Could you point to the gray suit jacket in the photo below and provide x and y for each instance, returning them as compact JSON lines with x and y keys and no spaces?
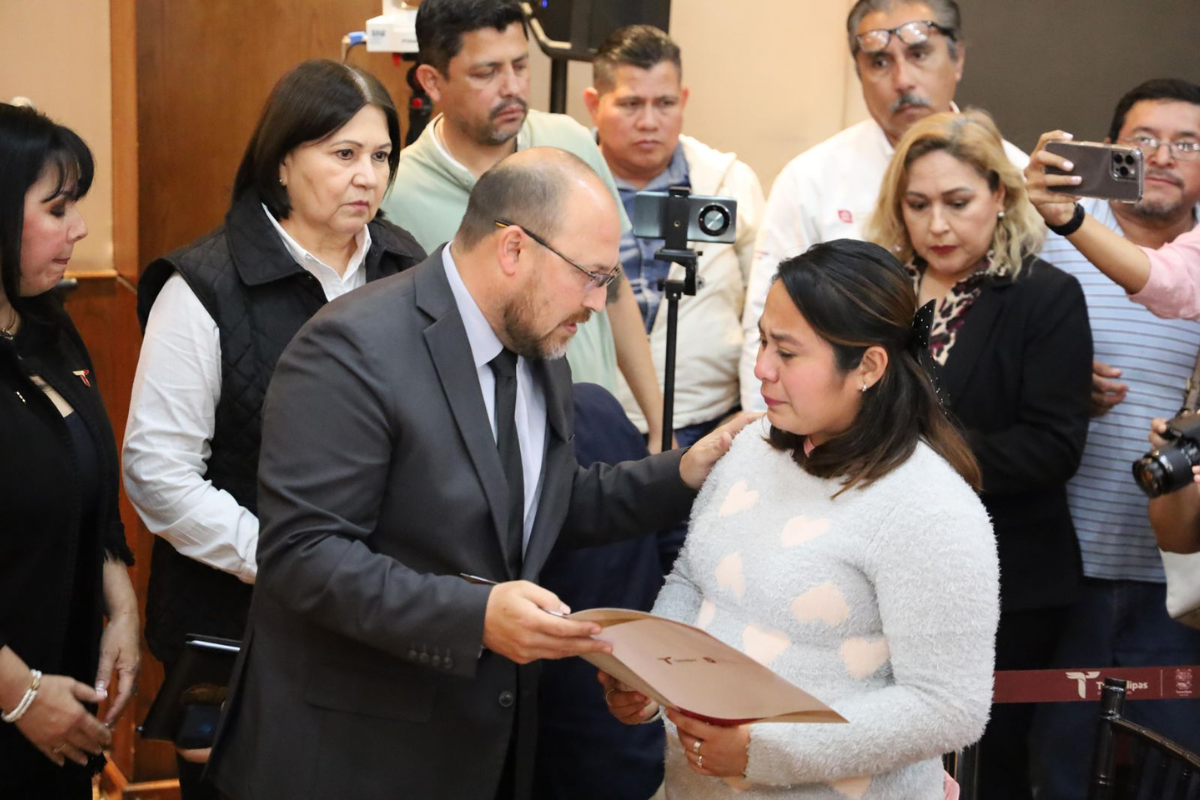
{"x":379,"y":482}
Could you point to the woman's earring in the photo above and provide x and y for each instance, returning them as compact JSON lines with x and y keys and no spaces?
{"x":864,"y":385}
{"x":999,"y":215}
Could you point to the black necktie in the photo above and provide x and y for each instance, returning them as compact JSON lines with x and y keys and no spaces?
{"x":504,"y":368}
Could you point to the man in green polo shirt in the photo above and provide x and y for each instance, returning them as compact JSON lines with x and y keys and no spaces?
{"x":475,"y":67}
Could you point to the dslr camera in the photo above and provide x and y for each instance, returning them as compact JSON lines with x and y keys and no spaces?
{"x":1169,"y":468}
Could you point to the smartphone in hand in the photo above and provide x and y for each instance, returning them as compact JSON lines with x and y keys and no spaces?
{"x":1109,"y":171}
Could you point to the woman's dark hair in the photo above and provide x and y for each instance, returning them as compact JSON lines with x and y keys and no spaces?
{"x":309,"y":103}
{"x":856,"y":295}
{"x":30,"y":144}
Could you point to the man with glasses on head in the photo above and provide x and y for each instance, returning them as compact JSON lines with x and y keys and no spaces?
{"x":417,"y":468}
{"x":909,"y":58}
{"x":1142,"y":366}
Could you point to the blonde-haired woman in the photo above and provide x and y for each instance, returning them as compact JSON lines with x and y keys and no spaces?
{"x":1012,"y":340}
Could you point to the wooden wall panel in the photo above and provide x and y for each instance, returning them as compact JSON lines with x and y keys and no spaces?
{"x":204,"y":71}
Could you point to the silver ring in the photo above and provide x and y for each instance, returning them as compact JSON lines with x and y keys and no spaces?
{"x":696,"y":745}
{"x":700,"y":762}
{"x":606,"y":696}
{"x":58,"y":750}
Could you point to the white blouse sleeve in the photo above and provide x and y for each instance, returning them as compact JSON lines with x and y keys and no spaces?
{"x":172,"y":417}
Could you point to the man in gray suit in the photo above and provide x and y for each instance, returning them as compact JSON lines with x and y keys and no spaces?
{"x":416,"y":431}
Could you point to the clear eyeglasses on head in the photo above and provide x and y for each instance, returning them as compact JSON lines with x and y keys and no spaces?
{"x":1182,"y":151}
{"x":596,"y":280}
{"x":915,"y":32}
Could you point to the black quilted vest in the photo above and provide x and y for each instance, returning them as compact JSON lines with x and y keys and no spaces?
{"x":259,"y":297}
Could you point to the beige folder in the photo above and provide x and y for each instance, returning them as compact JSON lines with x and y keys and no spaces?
{"x":682,"y":667}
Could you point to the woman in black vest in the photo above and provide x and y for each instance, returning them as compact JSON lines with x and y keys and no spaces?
{"x":218,"y":313}
{"x":63,"y":555}
{"x":1014,"y":349}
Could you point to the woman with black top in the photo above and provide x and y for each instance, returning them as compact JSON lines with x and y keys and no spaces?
{"x":63,"y":555}
{"x":1013,"y":351}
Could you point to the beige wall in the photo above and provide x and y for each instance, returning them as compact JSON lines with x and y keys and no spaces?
{"x":798,"y":90}
{"x":768,"y":78}
{"x":56,"y":52}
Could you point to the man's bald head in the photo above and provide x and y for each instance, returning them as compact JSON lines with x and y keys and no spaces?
{"x":531,"y":188}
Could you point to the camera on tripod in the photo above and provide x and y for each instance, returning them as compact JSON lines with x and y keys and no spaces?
{"x":706,"y":219}
{"x":678,"y":217}
{"x":1169,"y":468}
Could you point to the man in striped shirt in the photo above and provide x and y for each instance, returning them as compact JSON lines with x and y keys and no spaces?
{"x":1141,"y":369}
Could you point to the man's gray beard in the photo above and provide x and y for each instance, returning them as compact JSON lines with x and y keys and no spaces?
{"x":486,"y":134}
{"x":1156,"y":212}
{"x":491,"y":136}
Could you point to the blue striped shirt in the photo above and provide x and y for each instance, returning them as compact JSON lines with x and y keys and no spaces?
{"x":1156,"y":357}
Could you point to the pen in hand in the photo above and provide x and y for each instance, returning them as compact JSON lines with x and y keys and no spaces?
{"x":488,"y":582}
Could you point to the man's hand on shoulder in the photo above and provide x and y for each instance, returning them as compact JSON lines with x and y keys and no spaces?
{"x":698,"y":461}
{"x":522,"y":624}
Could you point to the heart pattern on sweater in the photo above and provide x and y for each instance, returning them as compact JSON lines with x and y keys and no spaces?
{"x":825,"y":602}
{"x":740,"y":498}
{"x":852,"y":787}
{"x":801,"y":529}
{"x":863,"y":657}
{"x":764,"y":645}
{"x":729,"y":574}
{"x":708,"y":610}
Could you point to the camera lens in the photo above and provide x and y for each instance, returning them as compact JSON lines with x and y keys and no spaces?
{"x":714,"y":219}
{"x":1124,"y":171}
{"x":1130,"y":160}
{"x":1116,"y":158}
{"x":1164,"y":471}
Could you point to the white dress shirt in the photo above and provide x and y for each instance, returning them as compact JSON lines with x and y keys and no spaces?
{"x":827,"y":192}
{"x":530,"y":412}
{"x":172,"y":419}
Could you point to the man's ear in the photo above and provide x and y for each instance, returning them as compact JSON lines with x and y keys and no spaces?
{"x":510,"y":243}
{"x":591,"y":99}
{"x":431,"y":81}
{"x":962,"y":60}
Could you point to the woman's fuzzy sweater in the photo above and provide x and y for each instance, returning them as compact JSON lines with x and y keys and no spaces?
{"x":882,"y":602}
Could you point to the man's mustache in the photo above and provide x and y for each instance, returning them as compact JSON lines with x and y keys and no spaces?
{"x":915,"y":101}
{"x":1165,"y":175}
{"x":509,"y":104}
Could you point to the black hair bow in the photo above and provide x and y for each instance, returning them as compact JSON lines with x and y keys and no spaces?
{"x":922,"y":324}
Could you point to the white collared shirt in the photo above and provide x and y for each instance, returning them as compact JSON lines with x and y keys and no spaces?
{"x":530,"y":412}
{"x":172,"y":419}
{"x":334,"y":285}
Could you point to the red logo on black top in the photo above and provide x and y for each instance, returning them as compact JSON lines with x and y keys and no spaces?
{"x":82,"y":374}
